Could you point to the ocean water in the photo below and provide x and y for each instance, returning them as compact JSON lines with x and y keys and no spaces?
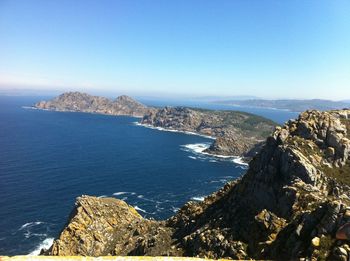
{"x":47,"y":159}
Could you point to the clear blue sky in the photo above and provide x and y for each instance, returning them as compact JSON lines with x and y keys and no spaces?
{"x":272,"y":49}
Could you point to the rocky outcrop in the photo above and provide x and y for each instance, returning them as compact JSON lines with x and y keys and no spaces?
{"x":82,"y":102}
{"x":290,"y":204}
{"x":105,"y":226}
{"x":236,"y":133}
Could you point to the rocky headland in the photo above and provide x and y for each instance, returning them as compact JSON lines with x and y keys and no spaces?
{"x":237,"y":133}
{"x":290,"y":204}
{"x":82,"y":102}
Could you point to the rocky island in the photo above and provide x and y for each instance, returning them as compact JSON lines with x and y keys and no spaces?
{"x":236,"y":133}
{"x":290,"y":204}
{"x":82,"y":102}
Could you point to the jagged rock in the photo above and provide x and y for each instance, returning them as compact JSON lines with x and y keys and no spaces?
{"x":108,"y":226}
{"x":288,"y":200}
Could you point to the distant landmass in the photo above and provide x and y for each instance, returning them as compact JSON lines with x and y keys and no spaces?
{"x":236,"y":133}
{"x":291,"y":105}
{"x":82,"y":102}
{"x":225,"y":98}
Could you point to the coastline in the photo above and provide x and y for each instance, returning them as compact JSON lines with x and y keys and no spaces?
{"x":257,"y":107}
{"x":236,"y":159}
{"x":97,"y":113}
{"x":173,"y":130}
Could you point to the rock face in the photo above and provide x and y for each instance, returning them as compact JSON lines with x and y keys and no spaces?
{"x":290,"y":204}
{"x":82,"y":102}
{"x":236,"y":133}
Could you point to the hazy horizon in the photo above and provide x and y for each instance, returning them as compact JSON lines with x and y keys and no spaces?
{"x":269,"y":49}
{"x":155,"y":96}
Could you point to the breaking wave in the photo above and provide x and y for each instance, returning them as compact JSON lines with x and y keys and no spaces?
{"x":173,"y":130}
{"x":46,"y":244}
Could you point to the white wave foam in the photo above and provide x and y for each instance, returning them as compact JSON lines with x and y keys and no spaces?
{"x":140,"y":209}
{"x":199,"y":198}
{"x":239,"y":160}
{"x":102,"y":196}
{"x":159,"y":209}
{"x":29,"y":107}
{"x":148,"y":199}
{"x":173,"y":130}
{"x":174,"y":209}
{"x":46,"y":244}
{"x":191,"y":157}
{"x":39,"y":235}
{"x":120,"y":193}
{"x":196,"y":147}
{"x":30,"y":224}
{"x":199,"y":148}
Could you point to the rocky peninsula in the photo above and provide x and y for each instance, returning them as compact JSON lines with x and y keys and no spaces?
{"x":289,"y":205}
{"x":236,"y":133}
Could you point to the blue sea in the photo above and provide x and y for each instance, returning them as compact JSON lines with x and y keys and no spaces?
{"x":47,"y":159}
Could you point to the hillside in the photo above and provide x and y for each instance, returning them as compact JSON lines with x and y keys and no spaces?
{"x":237,"y":133}
{"x":82,"y":102}
{"x":290,"y":204}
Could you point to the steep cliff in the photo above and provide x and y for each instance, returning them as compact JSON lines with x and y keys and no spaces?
{"x":236,"y":133}
{"x":290,"y":204}
{"x":82,"y":102}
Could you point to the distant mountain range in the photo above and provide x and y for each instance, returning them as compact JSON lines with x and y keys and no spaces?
{"x":291,"y":105}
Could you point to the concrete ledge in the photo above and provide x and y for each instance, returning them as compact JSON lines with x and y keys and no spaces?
{"x":107,"y":258}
